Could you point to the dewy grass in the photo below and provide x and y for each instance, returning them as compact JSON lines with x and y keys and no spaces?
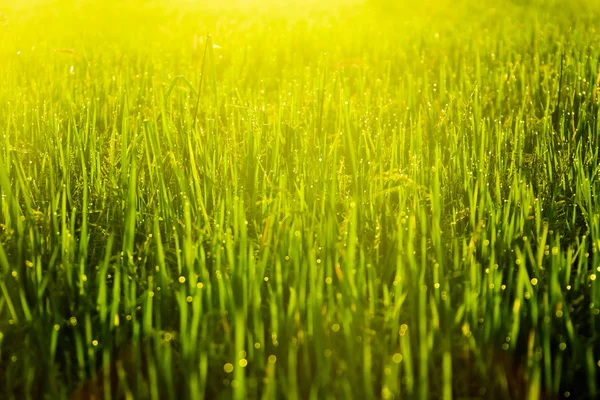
{"x":361,"y":200}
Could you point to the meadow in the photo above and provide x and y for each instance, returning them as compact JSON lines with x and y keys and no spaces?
{"x":299,"y":200}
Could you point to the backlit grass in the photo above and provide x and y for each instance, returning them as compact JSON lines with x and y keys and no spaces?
{"x":301,"y":201}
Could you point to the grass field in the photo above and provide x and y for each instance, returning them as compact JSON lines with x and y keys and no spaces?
{"x":299,"y":200}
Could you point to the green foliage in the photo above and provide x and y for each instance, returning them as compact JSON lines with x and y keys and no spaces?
{"x":343,"y":201}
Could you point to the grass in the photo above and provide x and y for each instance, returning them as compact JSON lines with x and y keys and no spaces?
{"x":273,"y":201}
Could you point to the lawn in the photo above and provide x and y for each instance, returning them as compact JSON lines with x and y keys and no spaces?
{"x":299,"y":199}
